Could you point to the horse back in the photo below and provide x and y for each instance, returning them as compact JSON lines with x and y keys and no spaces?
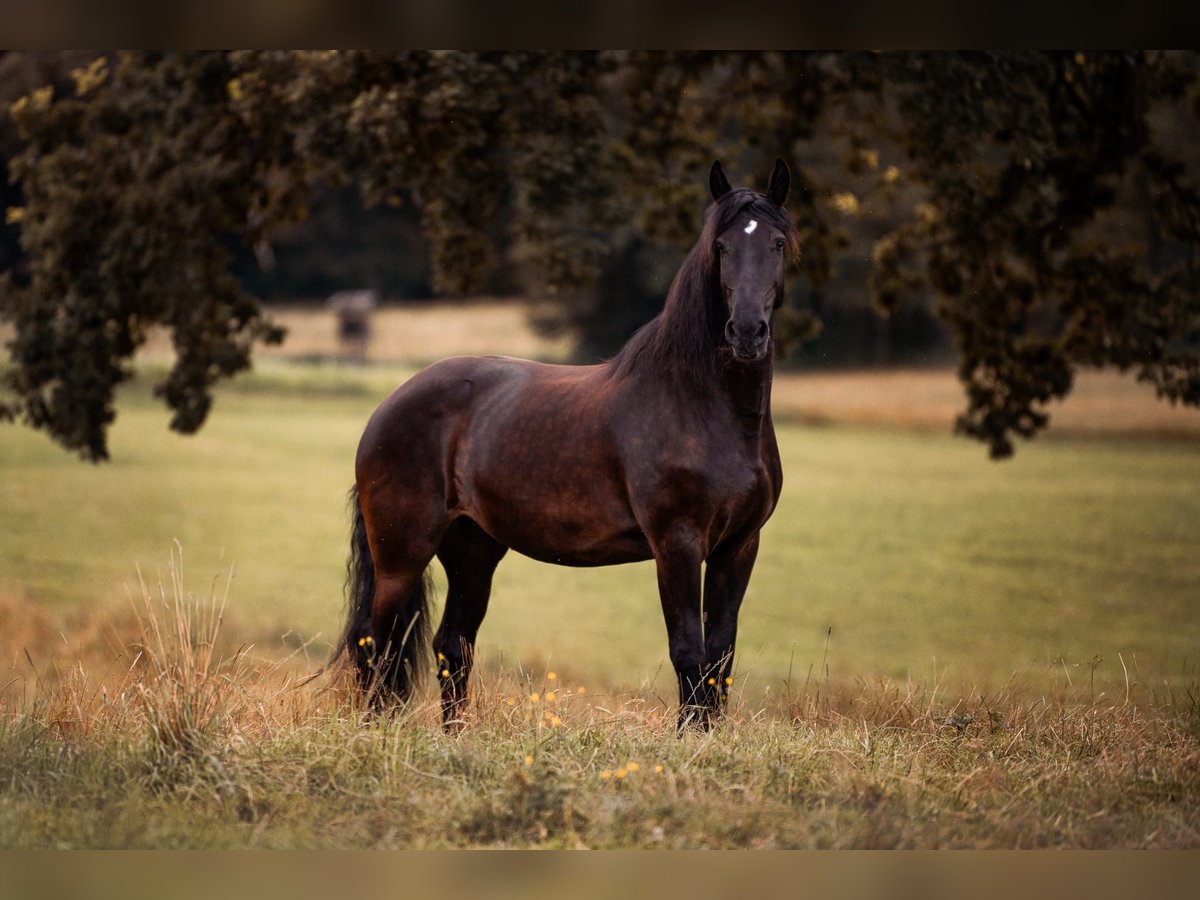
{"x":522,"y":448}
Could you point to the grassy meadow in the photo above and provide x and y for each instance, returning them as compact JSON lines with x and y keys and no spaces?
{"x":935,"y":650}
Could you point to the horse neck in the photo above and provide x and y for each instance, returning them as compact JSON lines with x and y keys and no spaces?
{"x":690,"y":344}
{"x":747,"y":389}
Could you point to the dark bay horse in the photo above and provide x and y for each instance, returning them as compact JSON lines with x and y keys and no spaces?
{"x":665,"y":452}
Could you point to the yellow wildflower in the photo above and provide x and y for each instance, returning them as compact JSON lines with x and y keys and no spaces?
{"x":622,"y":772}
{"x":549,"y":696}
{"x":712,"y":680}
{"x":632,"y":767}
{"x":445,"y":673}
{"x":555,"y":721}
{"x":528,"y":760}
{"x":658,"y":769}
{"x":551,"y":676}
{"x":581,"y":690}
{"x":534,"y":697}
{"x":13,"y":215}
{"x":891,"y":175}
{"x":606,"y":774}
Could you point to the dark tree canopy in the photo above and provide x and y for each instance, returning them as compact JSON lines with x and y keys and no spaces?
{"x":1046,"y":202}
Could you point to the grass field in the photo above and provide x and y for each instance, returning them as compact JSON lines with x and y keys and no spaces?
{"x":926,"y":559}
{"x":936,"y":650}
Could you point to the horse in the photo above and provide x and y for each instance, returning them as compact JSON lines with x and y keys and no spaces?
{"x":666,"y":451}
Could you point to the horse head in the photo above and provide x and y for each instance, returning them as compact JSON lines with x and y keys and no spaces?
{"x":750,"y":246}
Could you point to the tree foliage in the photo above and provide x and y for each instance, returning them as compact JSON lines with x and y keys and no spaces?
{"x":1061,"y":229}
{"x":1048,"y":201}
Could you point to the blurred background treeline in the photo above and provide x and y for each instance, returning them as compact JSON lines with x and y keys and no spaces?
{"x":1020,"y":214}
{"x":344,"y":244}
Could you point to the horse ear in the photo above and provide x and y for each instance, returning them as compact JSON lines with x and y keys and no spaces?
{"x":781,"y":180}
{"x":717,"y":182}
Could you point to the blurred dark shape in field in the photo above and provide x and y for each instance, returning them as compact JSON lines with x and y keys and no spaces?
{"x":353,"y":310}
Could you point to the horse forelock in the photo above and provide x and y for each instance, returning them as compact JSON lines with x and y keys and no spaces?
{"x":725,"y":212}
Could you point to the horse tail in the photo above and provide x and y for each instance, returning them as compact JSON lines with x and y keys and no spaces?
{"x":360,"y":579}
{"x":398,"y":665}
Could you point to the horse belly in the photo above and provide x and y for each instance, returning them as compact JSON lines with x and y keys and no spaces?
{"x":578,"y":522}
{"x":614,"y":549}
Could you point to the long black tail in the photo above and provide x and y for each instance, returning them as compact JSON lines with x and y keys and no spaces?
{"x":392,"y":663}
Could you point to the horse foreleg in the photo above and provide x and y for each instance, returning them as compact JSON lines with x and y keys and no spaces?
{"x":726,"y":577}
{"x":470,"y":557}
{"x":678,"y":561}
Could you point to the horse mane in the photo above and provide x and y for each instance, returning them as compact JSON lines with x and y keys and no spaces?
{"x":684,"y":339}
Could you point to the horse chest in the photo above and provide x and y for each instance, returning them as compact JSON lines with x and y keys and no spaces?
{"x":740,"y":483}
{"x":708,"y":485}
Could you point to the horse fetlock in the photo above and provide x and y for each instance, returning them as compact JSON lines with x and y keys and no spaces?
{"x":696,"y":717}
{"x":702,"y":688}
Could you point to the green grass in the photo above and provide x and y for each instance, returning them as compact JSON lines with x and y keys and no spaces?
{"x":1012,"y":660}
{"x":926,"y":559}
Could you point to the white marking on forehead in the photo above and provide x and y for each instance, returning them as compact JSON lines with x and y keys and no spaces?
{"x":750,"y":228}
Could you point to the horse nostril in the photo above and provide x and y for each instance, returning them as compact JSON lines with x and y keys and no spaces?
{"x":730,"y":333}
{"x":761,"y":334}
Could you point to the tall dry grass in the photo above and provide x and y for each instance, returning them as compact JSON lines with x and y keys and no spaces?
{"x":157,"y":727}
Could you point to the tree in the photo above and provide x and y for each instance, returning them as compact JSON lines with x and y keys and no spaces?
{"x":1006,"y":184}
{"x":134,"y":187}
{"x":1062,"y":226}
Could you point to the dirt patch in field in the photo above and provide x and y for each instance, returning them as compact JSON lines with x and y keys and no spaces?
{"x":415,"y":333}
{"x":1102,"y":402}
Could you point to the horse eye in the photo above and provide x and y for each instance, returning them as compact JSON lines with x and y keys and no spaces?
{"x":779,"y":242}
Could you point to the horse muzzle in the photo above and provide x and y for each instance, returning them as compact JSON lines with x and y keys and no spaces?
{"x":749,"y":344}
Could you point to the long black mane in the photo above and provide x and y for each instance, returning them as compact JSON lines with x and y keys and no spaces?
{"x":684,"y":339}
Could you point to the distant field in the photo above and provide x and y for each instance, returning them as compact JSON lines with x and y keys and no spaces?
{"x":1101,"y":403}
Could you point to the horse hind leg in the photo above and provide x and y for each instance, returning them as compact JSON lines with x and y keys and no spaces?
{"x":469,"y":556}
{"x":387,"y":631}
